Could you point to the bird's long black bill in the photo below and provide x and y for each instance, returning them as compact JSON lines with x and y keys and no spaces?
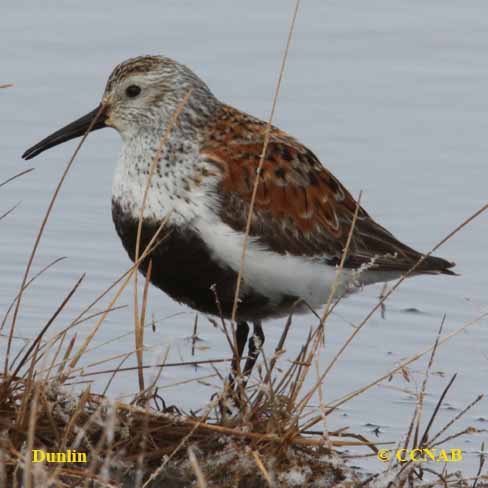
{"x":70,"y":131}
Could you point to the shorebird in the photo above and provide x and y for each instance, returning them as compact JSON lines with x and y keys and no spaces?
{"x":203,"y":185}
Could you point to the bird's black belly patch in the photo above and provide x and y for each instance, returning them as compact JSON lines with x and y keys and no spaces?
{"x":183,"y":267}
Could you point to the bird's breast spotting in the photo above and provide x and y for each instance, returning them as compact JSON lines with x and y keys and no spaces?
{"x":172,"y":192}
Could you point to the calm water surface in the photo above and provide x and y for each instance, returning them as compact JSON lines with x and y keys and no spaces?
{"x":390,"y":95}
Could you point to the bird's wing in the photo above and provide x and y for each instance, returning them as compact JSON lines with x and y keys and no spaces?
{"x":301,"y":208}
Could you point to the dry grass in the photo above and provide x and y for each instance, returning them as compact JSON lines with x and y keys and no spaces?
{"x":269,"y":438}
{"x":267,"y":441}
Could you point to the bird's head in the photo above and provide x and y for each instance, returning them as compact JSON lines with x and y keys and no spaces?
{"x":141,"y":96}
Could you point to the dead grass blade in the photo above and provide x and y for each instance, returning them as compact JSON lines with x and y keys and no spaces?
{"x":9,"y":211}
{"x":128,"y":276}
{"x":37,"y":340}
{"x":30,"y":440}
{"x":425,"y":436}
{"x":202,"y":482}
{"x":43,"y":270}
{"x":39,"y":236}
{"x":311,"y":392}
{"x":434,"y":441}
{"x":139,"y":331}
{"x":420,"y":401}
{"x":480,"y":467}
{"x":320,"y":331}
{"x":18,"y":175}
{"x":262,"y":468}
{"x":337,"y":403}
{"x":165,"y":365}
{"x":267,"y":135}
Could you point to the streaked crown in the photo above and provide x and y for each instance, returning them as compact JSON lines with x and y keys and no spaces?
{"x":144,"y":92}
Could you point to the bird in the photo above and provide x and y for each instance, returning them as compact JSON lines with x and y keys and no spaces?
{"x":202,"y":188}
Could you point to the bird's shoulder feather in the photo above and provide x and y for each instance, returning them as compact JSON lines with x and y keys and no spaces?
{"x":300,"y":207}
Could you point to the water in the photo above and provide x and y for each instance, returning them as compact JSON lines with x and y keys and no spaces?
{"x":390,"y":95}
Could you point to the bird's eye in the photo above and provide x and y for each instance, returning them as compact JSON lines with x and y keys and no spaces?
{"x":132,"y":91}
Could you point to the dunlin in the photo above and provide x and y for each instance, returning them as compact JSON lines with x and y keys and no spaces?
{"x":204,"y":181}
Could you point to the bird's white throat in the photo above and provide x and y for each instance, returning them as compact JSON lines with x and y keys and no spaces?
{"x":172,"y":186}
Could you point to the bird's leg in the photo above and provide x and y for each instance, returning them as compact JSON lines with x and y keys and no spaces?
{"x":242,"y":331}
{"x":255,"y":345}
